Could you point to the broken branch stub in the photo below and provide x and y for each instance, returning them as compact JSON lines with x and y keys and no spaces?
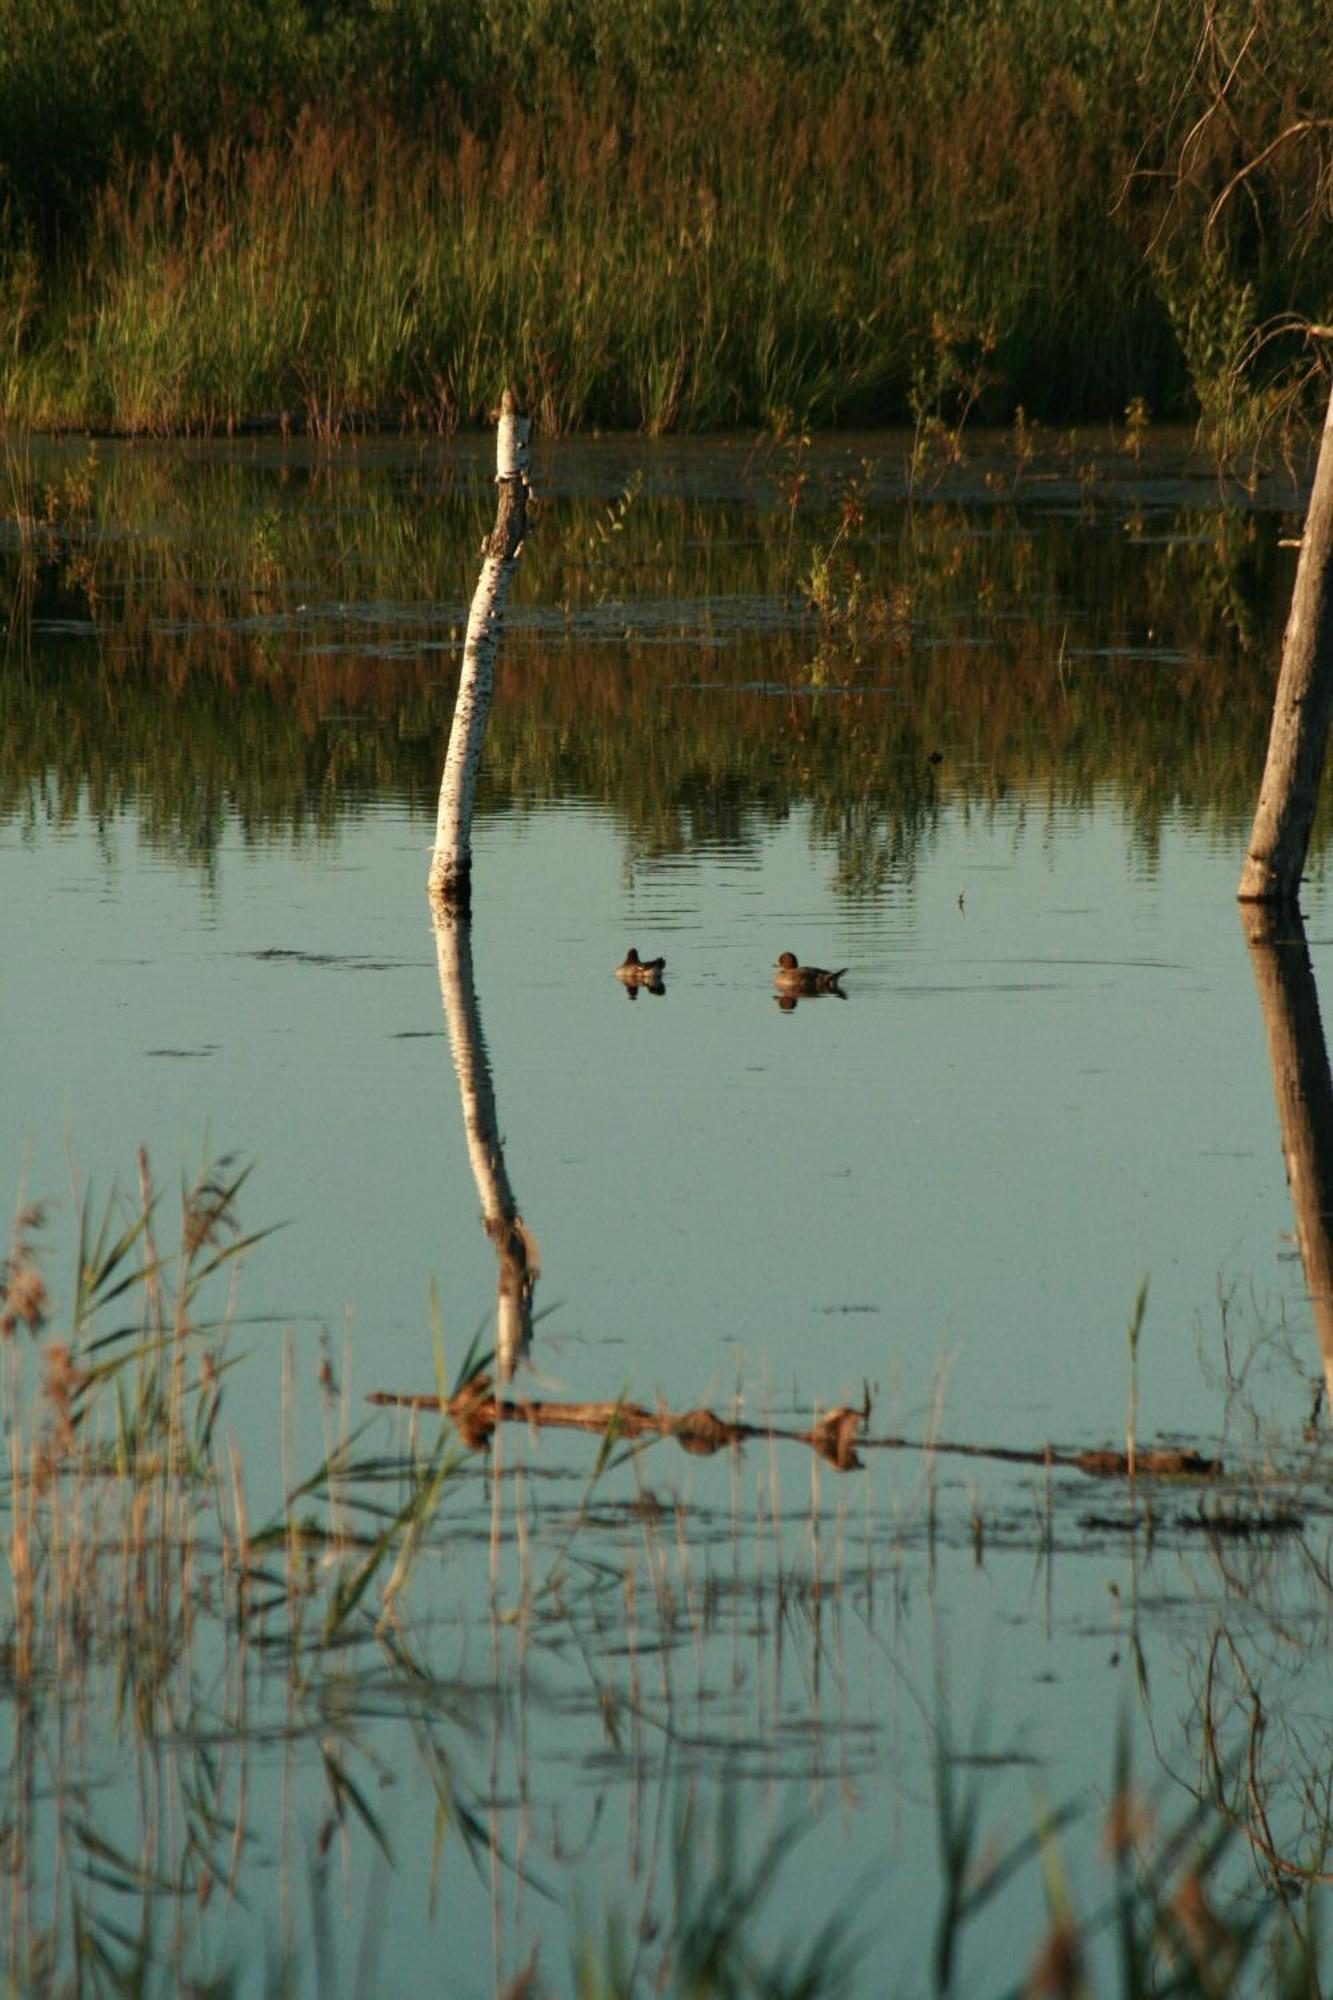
{"x":450,"y":882}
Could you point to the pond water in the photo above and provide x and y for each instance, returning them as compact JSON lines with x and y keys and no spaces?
{"x":985,"y":735}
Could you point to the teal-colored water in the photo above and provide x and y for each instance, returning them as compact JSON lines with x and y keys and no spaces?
{"x":1048,"y":1081}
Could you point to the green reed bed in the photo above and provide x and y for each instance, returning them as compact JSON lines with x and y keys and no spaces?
{"x":622,"y":278}
{"x":654,"y":217}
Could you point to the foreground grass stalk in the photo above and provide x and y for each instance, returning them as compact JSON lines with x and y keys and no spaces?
{"x":1134,"y":1333}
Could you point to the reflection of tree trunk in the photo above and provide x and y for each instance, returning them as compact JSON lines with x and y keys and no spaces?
{"x":450,"y":882}
{"x":1298,"y":739}
{"x":515,"y":1248}
{"x":1304,"y":1092}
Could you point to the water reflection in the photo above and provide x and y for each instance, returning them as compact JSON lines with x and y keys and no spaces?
{"x":517,"y":1257}
{"x":689,"y":1622}
{"x":281,"y":657}
{"x":1303,"y":1090}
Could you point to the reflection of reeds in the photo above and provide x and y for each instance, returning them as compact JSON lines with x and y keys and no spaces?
{"x":291,"y":625}
{"x":110,"y":1430}
{"x":152,"y":1634}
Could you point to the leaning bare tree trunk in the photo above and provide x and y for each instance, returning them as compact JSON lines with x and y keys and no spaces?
{"x":450,"y":882}
{"x":1299,"y":735}
{"x":516,"y":1255}
{"x":1303,"y":1088}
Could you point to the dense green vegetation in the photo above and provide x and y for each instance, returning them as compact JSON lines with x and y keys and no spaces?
{"x":665,"y":213}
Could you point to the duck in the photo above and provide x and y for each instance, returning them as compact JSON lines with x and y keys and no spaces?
{"x":636,"y":971}
{"x":791,"y":978}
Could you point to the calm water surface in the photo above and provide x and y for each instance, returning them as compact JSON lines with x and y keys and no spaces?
{"x":1005,"y":780}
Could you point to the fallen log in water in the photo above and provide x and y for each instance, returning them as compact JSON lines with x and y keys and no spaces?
{"x":475,"y":1411}
{"x":1163,"y":1462}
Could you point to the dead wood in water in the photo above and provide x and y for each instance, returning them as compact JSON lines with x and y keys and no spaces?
{"x":475,"y":1411}
{"x":1289,"y":791}
{"x":1164,"y":1462}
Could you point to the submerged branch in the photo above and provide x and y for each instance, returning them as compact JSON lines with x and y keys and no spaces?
{"x":476,"y":1411}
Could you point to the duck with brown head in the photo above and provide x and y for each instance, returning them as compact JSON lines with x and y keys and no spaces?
{"x":796,"y":981}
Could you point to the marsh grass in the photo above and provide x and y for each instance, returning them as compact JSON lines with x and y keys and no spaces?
{"x":615,"y":273}
{"x":657,"y":218}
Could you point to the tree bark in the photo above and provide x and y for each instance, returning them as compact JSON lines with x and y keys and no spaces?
{"x":1298,"y":738}
{"x":450,"y":882}
{"x":477,"y":1411}
{"x":517,"y":1259}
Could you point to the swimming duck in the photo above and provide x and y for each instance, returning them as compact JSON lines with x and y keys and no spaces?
{"x":791,"y":978}
{"x":637,"y":971}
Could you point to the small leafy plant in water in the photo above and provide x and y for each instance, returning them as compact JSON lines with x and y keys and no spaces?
{"x":954,"y":368}
{"x":595,"y":547}
{"x":833,"y":585}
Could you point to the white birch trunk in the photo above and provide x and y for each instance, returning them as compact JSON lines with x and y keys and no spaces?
{"x":450,"y":881}
{"x":1298,"y":739}
{"x":515,"y":1248}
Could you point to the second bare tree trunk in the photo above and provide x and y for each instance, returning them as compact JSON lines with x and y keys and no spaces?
{"x":1298,"y":738}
